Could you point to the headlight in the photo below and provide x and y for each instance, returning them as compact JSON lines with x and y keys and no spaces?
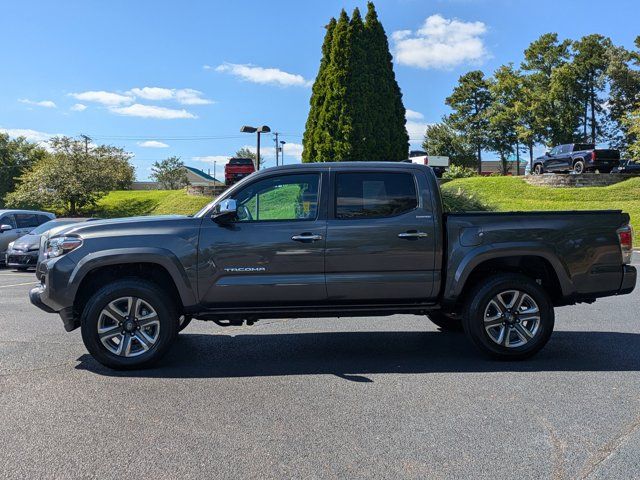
{"x":58,"y":246}
{"x":10,"y":246}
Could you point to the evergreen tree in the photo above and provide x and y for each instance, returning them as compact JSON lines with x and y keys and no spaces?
{"x":388,"y":138}
{"x":356,"y":106}
{"x":317,"y":97}
{"x":470,"y":102}
{"x":624,"y":93}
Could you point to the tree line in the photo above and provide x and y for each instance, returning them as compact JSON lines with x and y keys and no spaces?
{"x":70,"y":175}
{"x":569,"y":91}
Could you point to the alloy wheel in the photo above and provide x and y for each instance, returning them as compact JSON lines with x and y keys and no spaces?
{"x":128,"y":326}
{"x":512,"y":318}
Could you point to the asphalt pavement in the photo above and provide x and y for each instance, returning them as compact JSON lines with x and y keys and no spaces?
{"x":384,"y":397}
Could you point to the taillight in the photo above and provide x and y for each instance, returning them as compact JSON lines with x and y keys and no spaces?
{"x":426,"y":160}
{"x":625,"y":237}
{"x":593,"y":155}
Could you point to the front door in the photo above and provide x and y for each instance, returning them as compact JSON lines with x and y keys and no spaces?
{"x":273,"y":252}
{"x":7,"y":236}
{"x":380,"y":238}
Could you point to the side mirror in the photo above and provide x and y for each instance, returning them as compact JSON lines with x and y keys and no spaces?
{"x":225,"y":210}
{"x":5,"y":228}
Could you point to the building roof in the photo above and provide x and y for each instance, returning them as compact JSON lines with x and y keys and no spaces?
{"x":202,"y":174}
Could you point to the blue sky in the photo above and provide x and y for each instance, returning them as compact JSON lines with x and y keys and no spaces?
{"x":163,"y":78}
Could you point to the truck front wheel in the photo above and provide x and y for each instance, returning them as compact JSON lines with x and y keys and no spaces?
{"x":129,"y":324}
{"x":509,"y":317}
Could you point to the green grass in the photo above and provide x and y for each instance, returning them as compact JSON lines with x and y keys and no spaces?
{"x":128,"y":203}
{"x":511,"y":193}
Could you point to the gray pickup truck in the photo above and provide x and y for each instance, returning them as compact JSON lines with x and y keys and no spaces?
{"x":325,"y":240}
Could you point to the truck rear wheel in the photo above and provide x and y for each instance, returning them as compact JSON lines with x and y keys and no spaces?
{"x":578,"y":167}
{"x":447,"y":322}
{"x":129,"y":324}
{"x":509,"y":317}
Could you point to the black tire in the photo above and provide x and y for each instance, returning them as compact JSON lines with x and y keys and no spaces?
{"x":22,"y":269}
{"x":183,"y":322}
{"x":479,"y":302}
{"x":149,"y":293}
{"x":446,"y":322}
{"x":578,"y":166}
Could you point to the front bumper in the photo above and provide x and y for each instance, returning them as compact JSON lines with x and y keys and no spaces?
{"x":54,"y":294}
{"x":17,"y":258}
{"x":629,"y":276}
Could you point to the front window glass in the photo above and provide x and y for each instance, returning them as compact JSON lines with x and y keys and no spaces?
{"x":287,"y":197}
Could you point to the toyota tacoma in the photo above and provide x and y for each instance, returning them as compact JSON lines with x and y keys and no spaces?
{"x":330,"y":240}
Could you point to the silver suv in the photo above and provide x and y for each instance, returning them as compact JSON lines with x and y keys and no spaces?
{"x":16,"y":223}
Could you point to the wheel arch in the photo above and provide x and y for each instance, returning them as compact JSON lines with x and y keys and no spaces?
{"x":541,"y":265}
{"x":156,"y":265}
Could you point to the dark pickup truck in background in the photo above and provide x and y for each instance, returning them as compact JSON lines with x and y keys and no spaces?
{"x":325,"y":240}
{"x":577,"y":158}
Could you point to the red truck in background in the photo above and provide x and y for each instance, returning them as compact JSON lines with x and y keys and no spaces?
{"x":237,"y":169}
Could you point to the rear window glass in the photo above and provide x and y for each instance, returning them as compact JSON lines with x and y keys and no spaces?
{"x":240,"y":161}
{"x":27,"y":220}
{"x":578,"y":147}
{"x":374,"y":195}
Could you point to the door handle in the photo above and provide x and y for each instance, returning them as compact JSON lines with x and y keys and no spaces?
{"x":306,"y":237}
{"x":412,"y":235}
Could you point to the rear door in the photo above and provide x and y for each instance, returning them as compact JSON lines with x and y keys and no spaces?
{"x":273,"y":253}
{"x":380,"y":237}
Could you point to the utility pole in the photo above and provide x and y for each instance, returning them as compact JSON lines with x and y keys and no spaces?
{"x":276,"y":142}
{"x":86,"y":139}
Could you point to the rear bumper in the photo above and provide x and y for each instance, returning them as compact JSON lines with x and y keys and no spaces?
{"x":629,"y":276}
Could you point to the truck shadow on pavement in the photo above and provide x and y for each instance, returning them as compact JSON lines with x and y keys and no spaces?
{"x":353,"y":355}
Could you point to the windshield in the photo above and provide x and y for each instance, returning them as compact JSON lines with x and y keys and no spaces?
{"x":46,"y":226}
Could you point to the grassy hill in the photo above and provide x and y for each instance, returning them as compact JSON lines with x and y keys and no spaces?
{"x":127,"y":203}
{"x":512,"y":193}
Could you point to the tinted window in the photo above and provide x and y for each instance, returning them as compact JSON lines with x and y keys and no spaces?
{"x":370,"y":195}
{"x":578,"y":147}
{"x":8,"y":220}
{"x":27,"y":220}
{"x":241,"y":161}
{"x":43,"y":218}
{"x":287,"y":197}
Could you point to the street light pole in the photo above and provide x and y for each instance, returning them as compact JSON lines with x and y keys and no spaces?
{"x":282,"y":142}
{"x":258,"y":131}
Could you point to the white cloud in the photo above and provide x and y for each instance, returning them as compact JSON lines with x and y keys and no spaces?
{"x":153,"y":144}
{"x":31,"y":135}
{"x":265,"y":76}
{"x":152,"y":93}
{"x":207,"y":67}
{"x":78,"y":107}
{"x":413,"y":115}
{"x":105,"y":98}
{"x":152,"y":111}
{"x":214,"y":159}
{"x":41,"y":103}
{"x":291,"y":150}
{"x":185,"y":96}
{"x":415,"y":127}
{"x":440,"y":43}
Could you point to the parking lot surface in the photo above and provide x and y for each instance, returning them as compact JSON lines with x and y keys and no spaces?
{"x":387,"y":397}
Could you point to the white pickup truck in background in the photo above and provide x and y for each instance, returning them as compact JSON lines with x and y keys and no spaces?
{"x":440,"y":164}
